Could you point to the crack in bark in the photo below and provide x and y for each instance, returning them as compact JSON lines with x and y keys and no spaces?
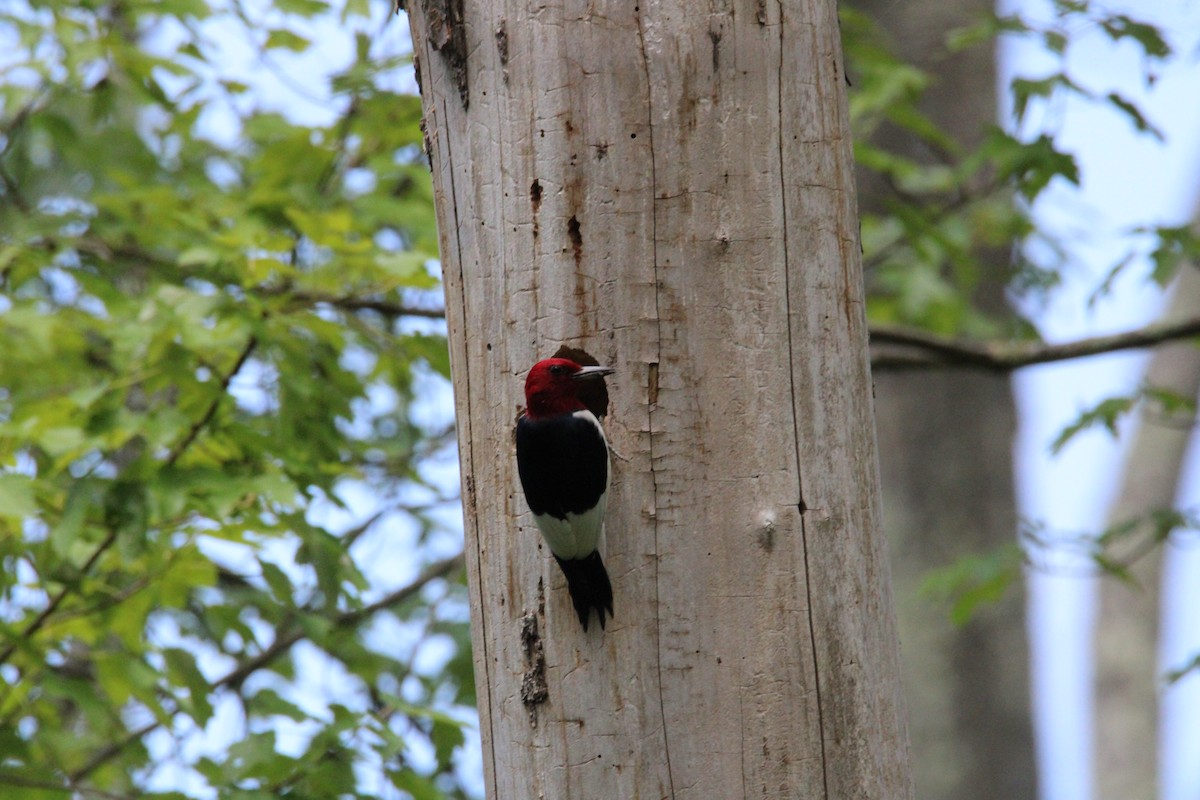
{"x":650,"y":408}
{"x":787,"y":295}
{"x":469,"y":489}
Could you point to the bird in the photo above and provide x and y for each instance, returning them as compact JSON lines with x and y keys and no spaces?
{"x":563,"y":463}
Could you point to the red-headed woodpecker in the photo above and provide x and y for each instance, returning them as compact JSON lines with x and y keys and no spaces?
{"x":562,"y":458}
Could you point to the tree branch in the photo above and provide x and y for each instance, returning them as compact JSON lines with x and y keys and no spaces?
{"x":352,"y":303}
{"x":910,"y":348}
{"x":40,"y":620}
{"x":348,"y":619}
{"x":194,"y":431}
{"x":110,"y":751}
{"x":211,"y":411}
{"x":235,"y":677}
{"x":9,"y":779}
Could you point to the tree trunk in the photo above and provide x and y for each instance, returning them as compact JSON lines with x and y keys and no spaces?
{"x":1127,"y":678}
{"x":672,"y":192}
{"x":946,"y":442}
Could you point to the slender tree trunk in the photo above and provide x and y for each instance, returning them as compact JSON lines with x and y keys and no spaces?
{"x":946,"y":443}
{"x":1127,"y":678}
{"x":673,"y":192}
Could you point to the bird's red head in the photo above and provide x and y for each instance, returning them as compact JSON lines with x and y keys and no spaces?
{"x":552,"y":387}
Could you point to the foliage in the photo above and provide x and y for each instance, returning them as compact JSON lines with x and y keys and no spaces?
{"x":933,"y":242}
{"x":209,"y":354}
{"x":969,"y":584}
{"x":952,"y":208}
{"x":1159,"y":405}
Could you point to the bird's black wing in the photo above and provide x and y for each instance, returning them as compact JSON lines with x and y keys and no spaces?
{"x":563,"y":463}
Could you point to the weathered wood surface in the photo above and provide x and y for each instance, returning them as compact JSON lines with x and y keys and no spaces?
{"x":668,"y":185}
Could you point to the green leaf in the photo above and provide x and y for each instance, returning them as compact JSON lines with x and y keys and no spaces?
{"x":447,"y":736}
{"x":974,"y":582}
{"x":1115,"y":569}
{"x":199,"y":256}
{"x":17,"y":498}
{"x":124,"y":678}
{"x":267,"y":703}
{"x":67,"y":533}
{"x":1153,"y":44}
{"x":1033,"y":165}
{"x":304,"y":8}
{"x":1178,"y":673}
{"x":355,"y":8}
{"x":1175,"y":247}
{"x":1175,"y":407}
{"x":181,"y":666}
{"x":1106,"y":413}
{"x":277,"y":580}
{"x":984,"y":30}
{"x":1135,"y":116}
{"x":415,"y":785}
{"x":286,"y":40}
{"x":407,"y":268}
{"x":433,"y":350}
{"x":1026,"y":89}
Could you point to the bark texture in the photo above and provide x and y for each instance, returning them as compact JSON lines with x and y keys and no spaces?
{"x":672,"y":191}
{"x":946,"y":458}
{"x":1127,"y":678}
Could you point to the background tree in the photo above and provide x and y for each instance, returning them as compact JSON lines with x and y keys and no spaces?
{"x":1128,"y":675}
{"x":945,"y":437}
{"x":926,"y":243}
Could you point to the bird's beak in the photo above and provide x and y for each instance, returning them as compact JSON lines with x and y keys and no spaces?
{"x":592,"y":372}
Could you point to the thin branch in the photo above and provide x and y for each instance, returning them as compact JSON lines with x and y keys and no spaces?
{"x":339,"y":153}
{"x":928,"y":350}
{"x":8,"y":779}
{"x":211,"y":411}
{"x":354,"y":534}
{"x":44,"y":615}
{"x":388,"y":308}
{"x":10,"y":129}
{"x":40,"y":620}
{"x":351,"y":303}
{"x":13,"y":192}
{"x":111,"y":751}
{"x":238,"y":675}
{"x":349,"y":619}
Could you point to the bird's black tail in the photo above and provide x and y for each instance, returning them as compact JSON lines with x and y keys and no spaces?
{"x":587,"y":581}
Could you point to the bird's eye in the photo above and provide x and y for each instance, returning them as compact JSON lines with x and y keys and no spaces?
{"x":556,"y":370}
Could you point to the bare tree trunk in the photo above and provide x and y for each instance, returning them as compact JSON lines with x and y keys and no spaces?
{"x":946,"y":459}
{"x":673,"y":192}
{"x":1127,"y":679}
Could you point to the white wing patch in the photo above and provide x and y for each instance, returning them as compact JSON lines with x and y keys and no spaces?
{"x":579,"y":534}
